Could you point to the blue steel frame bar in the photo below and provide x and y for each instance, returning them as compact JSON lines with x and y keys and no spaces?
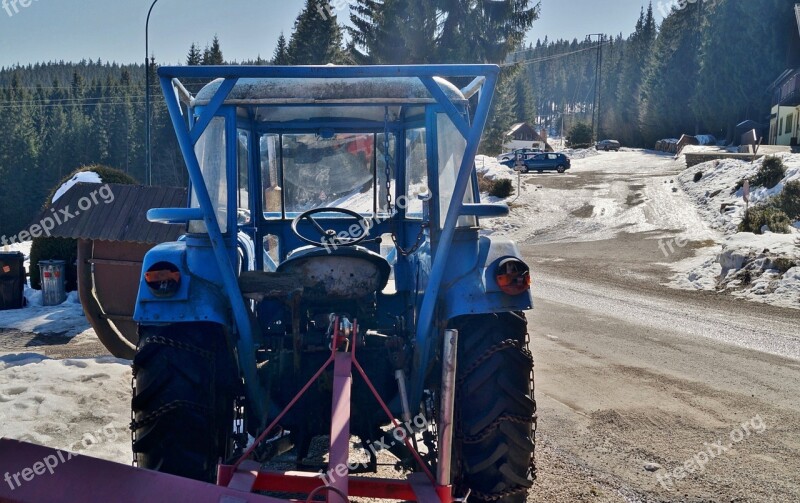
{"x":428,"y":308}
{"x":245,"y":345}
{"x":425,"y":73}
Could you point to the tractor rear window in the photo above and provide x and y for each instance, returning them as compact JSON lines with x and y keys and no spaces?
{"x":333,"y":172}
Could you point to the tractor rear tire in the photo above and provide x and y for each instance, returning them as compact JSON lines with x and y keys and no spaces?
{"x":183,"y":401}
{"x":495,"y":413}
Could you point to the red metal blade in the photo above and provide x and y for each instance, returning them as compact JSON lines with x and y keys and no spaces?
{"x":32,"y":473}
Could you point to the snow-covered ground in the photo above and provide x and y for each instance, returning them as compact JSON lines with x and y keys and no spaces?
{"x":637,"y":191}
{"x":563,"y":207}
{"x":64,"y":320}
{"x":747,"y":265}
{"x":81,"y":405}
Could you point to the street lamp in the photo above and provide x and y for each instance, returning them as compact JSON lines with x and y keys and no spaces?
{"x":598,"y":82}
{"x":147,"y":131}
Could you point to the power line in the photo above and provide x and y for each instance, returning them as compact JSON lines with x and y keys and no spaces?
{"x":70,"y":101}
{"x":556,"y":56}
{"x":53,"y":105}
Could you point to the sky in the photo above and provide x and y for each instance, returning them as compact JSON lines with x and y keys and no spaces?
{"x":113,"y":30}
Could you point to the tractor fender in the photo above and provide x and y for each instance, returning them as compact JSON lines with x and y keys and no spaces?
{"x":471,"y":286}
{"x":200,"y":295}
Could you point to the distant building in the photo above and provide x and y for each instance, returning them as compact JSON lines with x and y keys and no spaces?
{"x":523,"y":135}
{"x":784,"y":120}
{"x":784,"y":125}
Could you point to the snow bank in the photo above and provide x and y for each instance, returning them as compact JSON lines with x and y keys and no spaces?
{"x":714,"y":194}
{"x":491,"y":169}
{"x":580,"y":153}
{"x":80,"y":405}
{"x":66,"y":319}
{"x":762,"y":268}
{"x":82,"y":177}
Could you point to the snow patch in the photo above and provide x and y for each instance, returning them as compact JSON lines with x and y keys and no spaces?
{"x":82,"y":177}
{"x":79,"y":405}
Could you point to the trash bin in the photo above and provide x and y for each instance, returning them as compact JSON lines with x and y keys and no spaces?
{"x":12,"y":280}
{"x":52,"y":276}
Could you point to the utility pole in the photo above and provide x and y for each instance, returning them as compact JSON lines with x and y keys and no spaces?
{"x":147,"y":114}
{"x":597,"y":82}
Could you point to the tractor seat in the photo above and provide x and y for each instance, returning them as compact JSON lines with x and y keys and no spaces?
{"x":346,"y":273}
{"x":319,"y":274}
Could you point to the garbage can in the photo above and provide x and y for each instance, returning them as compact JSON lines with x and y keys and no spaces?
{"x":52,"y":276}
{"x":12,"y":280}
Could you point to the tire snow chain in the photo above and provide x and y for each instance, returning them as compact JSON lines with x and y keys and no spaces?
{"x":483,"y":435}
{"x":532,"y":421}
{"x":168,"y":407}
{"x":175,"y":404}
{"x":506,"y":344}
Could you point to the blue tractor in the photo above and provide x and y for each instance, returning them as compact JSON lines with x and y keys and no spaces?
{"x":334,"y":200}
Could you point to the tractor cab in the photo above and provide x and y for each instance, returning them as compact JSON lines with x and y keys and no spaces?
{"x":333,"y":211}
{"x":332,"y":164}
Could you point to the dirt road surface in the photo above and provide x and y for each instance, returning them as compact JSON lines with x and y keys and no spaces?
{"x":647,"y":393}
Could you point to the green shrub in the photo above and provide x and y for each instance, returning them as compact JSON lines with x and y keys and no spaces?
{"x":580,"y":135}
{"x":759,"y":216}
{"x":782,"y":264}
{"x":45,"y":248}
{"x":789,"y":200}
{"x":484,"y":184}
{"x":698,"y":176}
{"x":771,"y":173}
{"x":502,"y":188}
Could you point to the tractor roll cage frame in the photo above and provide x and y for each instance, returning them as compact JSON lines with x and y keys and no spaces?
{"x":484,"y":83}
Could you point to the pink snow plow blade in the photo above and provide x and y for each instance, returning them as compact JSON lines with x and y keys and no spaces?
{"x":32,"y":473}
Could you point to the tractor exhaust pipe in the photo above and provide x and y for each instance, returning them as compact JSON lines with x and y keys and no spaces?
{"x":444,"y":463}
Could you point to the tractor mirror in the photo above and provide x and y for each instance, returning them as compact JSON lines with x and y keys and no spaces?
{"x":174,"y":215}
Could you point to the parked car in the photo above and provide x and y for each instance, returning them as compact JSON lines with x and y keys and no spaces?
{"x":542,"y":162}
{"x":608,"y":145}
{"x":510,"y":156}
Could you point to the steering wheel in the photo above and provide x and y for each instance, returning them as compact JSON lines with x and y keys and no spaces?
{"x":329,"y":236}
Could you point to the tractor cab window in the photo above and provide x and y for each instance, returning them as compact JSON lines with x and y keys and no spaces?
{"x":210,"y":150}
{"x":269,"y":146}
{"x":243,"y":194}
{"x":451,"y":152}
{"x":416,"y":171}
{"x":335,"y":172}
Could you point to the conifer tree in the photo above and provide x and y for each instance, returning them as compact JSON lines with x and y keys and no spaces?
{"x":195,"y":57}
{"x":317,"y":37}
{"x":281,"y":55}
{"x":213,"y":54}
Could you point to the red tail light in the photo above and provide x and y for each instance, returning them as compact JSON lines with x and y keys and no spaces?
{"x":163,"y":279}
{"x":513,"y":276}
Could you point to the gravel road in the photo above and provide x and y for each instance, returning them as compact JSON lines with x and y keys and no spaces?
{"x":701,"y":388}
